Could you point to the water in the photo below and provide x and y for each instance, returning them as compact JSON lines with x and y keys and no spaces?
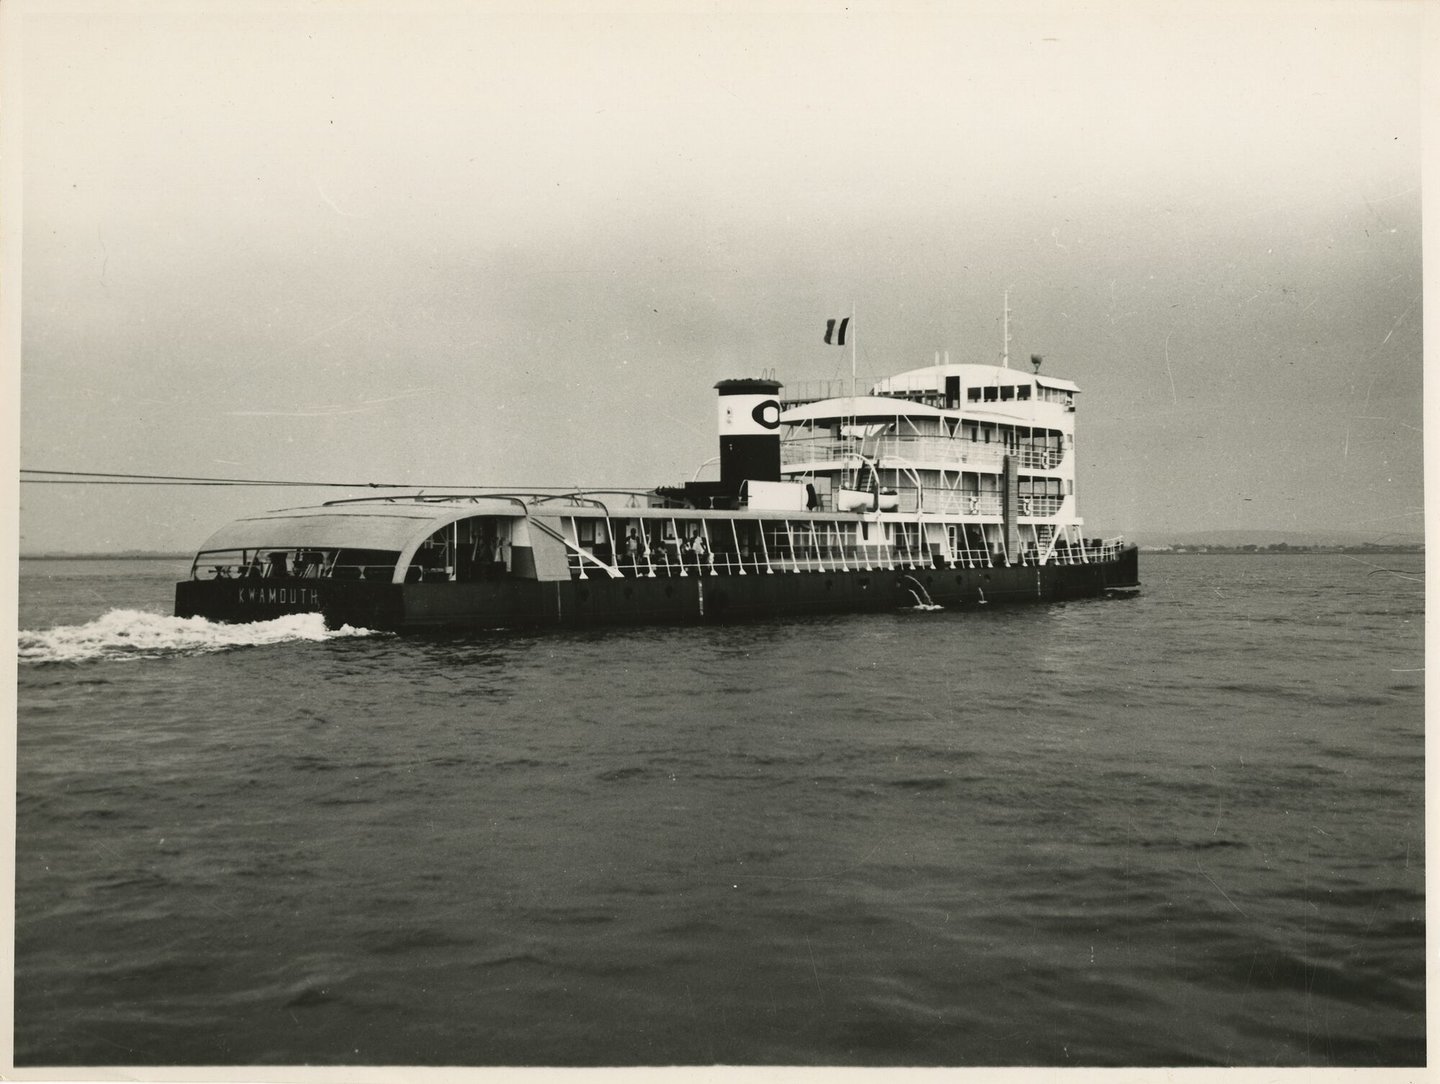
{"x":1183,"y":829}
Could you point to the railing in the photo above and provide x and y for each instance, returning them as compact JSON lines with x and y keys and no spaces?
{"x":1107,"y":549}
{"x":818,"y":450}
{"x":914,"y":388}
{"x":958,"y":502}
{"x":774,"y":559}
{"x":809,"y":391}
{"x":934,"y":449}
{"x":780,"y":558}
{"x":1040,"y":506}
{"x":951,"y":502}
{"x":1089,"y":551}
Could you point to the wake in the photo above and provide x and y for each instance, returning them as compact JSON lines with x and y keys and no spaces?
{"x":136,"y":634}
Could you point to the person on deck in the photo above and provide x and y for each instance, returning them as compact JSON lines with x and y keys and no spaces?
{"x":698,"y":550}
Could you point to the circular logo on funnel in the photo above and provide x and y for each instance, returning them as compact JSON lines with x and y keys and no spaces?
{"x":767,"y":414}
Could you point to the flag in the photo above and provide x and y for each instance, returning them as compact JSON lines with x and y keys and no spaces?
{"x":835,"y":331}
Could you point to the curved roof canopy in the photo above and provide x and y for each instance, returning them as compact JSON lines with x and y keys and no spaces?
{"x":366,"y":525}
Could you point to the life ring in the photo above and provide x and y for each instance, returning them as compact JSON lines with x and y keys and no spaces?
{"x":974,"y":505}
{"x":1025,"y":505}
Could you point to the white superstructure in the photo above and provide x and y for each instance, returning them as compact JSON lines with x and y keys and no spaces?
{"x":986,"y":450}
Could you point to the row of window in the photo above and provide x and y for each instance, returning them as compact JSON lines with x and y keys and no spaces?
{"x":991,"y":393}
{"x":1002,"y":392}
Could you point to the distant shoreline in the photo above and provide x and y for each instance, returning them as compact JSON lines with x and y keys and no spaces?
{"x":1282,"y":550}
{"x":106,"y":556}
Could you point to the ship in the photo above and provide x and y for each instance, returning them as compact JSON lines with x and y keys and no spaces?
{"x":949,"y":486}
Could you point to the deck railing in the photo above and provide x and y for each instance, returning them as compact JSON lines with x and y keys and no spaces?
{"x":1040,"y":505}
{"x":810,"y":391}
{"x":952,"y":502}
{"x":779,"y":558}
{"x":960,"y":502}
{"x":946,"y":450}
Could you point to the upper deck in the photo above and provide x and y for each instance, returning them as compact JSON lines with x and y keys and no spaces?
{"x":993,"y":390}
{"x":955,"y":417}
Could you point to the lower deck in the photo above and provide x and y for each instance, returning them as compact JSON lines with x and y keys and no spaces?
{"x":702,"y":595}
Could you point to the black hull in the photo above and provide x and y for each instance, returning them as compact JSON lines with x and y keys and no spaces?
{"x":518,"y":603}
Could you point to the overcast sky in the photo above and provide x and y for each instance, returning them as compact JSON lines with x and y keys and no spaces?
{"x":450,"y":246}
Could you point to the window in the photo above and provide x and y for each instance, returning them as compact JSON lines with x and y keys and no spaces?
{"x":1007,"y":392}
{"x":973,"y":394}
{"x":991,"y":393}
{"x":1023,"y":392}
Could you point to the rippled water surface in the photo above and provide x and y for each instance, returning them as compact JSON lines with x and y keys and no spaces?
{"x":1185,"y":828}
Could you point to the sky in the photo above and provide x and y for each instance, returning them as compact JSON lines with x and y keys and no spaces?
{"x":455,"y":245}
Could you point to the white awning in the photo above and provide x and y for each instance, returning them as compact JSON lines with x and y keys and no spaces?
{"x":859,"y":408}
{"x":1052,"y":382}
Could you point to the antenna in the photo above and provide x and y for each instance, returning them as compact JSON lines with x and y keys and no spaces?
{"x":1005,"y":347}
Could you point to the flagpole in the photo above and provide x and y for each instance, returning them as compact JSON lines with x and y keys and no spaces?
{"x":854,"y":333}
